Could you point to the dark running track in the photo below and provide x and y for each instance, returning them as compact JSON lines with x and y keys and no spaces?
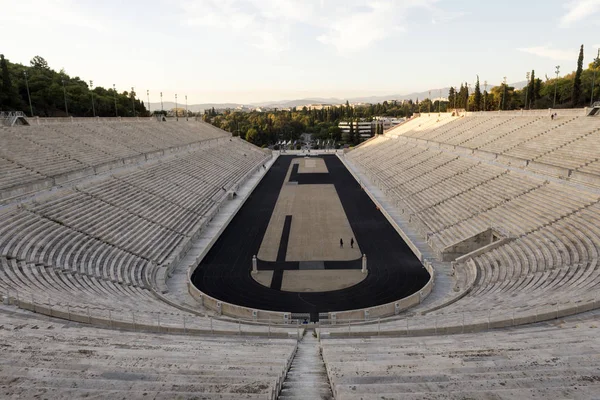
{"x":394,"y":271}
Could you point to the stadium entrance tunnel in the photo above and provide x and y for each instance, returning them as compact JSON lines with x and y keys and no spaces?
{"x":308,"y":222}
{"x":484,"y":240}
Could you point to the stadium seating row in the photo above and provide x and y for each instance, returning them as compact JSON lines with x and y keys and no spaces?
{"x":550,"y":260}
{"x":545,"y":360}
{"x":37,"y":157}
{"x":91,"y":251}
{"x":49,"y":359}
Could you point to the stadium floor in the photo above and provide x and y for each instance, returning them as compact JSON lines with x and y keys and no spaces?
{"x":394,"y":271}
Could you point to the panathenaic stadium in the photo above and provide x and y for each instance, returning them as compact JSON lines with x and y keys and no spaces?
{"x":453,"y":257}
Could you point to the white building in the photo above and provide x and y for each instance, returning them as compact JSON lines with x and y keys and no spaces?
{"x":364,"y":128}
{"x":388,"y":122}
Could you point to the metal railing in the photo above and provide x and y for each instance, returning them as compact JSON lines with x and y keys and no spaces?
{"x":460,"y":321}
{"x":146,"y":321}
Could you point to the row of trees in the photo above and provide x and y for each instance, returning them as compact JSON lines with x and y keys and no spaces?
{"x":56,"y":94}
{"x":48,"y":90}
{"x":264,"y":128}
{"x":572,"y":90}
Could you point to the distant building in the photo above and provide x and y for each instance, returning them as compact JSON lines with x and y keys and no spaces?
{"x":359,"y":104}
{"x":388,"y":122}
{"x":263,"y":109}
{"x":364,"y":128}
{"x":318,"y":106}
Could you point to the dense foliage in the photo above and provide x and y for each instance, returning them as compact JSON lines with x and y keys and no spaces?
{"x":263,"y":128}
{"x":48,"y":89}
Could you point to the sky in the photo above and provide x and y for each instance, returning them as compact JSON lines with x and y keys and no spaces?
{"x":248,"y":51}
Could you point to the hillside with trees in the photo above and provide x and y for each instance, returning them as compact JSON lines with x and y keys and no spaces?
{"x":48,"y":89}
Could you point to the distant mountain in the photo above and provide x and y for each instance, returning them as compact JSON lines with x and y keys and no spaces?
{"x":167,"y":105}
{"x":435,"y":94}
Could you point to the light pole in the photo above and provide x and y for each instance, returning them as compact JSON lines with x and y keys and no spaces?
{"x":148,"y":97}
{"x":29,"y":96}
{"x":133,"y":100}
{"x":440,"y":103}
{"x":468,"y":95}
{"x":455,"y":94}
{"x":596,"y":65}
{"x":176,"y":113}
{"x":485,"y":94}
{"x":504,"y":91}
{"x":161,"y":103}
{"x":526,"y":90}
{"x":430,"y":102}
{"x":115,"y":98}
{"x":186,"y":110}
{"x":92,"y":93}
{"x":65,"y":95}
{"x":556,"y":85}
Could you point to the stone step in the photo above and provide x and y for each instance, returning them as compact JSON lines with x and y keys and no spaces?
{"x":307,"y":376}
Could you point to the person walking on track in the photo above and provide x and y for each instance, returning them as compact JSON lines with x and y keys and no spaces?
{"x":341,"y":243}
{"x":352,"y":242}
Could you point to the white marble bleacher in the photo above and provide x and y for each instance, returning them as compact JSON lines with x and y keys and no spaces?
{"x":548,"y":360}
{"x":526,"y":133}
{"x":493,"y":188}
{"x":16,"y":147}
{"x":549,"y":264}
{"x":531,"y":208}
{"x":507,"y":126}
{"x":50,"y":358}
{"x":425,"y":125}
{"x":40,"y":156}
{"x":560,"y":133}
{"x":461,"y":130}
{"x":93,"y":249}
{"x":13,"y":174}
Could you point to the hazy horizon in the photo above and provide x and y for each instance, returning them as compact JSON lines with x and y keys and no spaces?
{"x":253,"y":51}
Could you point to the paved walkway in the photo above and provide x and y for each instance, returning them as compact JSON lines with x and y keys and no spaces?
{"x":177,"y":284}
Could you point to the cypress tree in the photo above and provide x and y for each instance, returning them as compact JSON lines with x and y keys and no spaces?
{"x":351,"y":134}
{"x":576,"y":97}
{"x":477,"y":96}
{"x":451,"y":94}
{"x":531,"y":89}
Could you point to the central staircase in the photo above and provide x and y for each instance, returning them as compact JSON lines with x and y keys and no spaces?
{"x":307,"y":377}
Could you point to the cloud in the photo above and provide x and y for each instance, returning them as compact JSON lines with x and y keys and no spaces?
{"x":42,"y":13}
{"x":579,"y":10}
{"x":549,"y":52}
{"x":346,"y":25}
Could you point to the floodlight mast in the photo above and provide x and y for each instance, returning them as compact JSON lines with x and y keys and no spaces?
{"x":65,"y":95}
{"x":504,"y":92}
{"x":133,"y":100}
{"x":527,"y":75}
{"x":556,"y":85}
{"x":115,"y":98}
{"x":596,"y":65}
{"x":92,"y":94}
{"x":28,"y":95}
{"x":485,"y":85}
